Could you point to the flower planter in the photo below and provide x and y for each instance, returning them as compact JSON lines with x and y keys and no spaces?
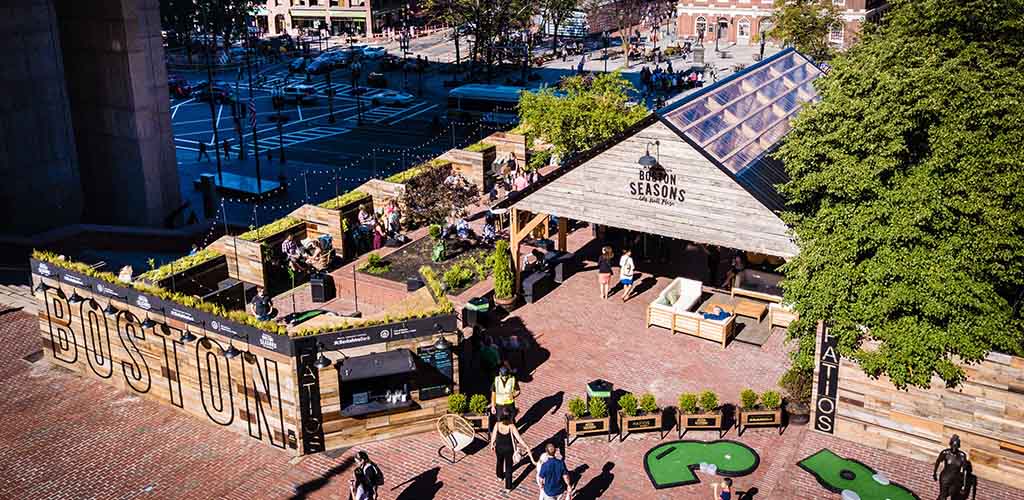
{"x":758,"y":418}
{"x":641,"y":422}
{"x":798,"y":413}
{"x":481,"y":422}
{"x":586,"y":426}
{"x":508,"y":304}
{"x":700,"y":421}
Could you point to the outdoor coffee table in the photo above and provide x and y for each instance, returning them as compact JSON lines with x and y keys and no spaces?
{"x":751,"y":309}
{"x":710,"y":306}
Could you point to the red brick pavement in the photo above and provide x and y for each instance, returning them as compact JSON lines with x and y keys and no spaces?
{"x":65,"y":436}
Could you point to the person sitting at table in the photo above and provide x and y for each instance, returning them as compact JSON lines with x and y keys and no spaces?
{"x":366,"y":222}
{"x":717,"y":314}
{"x":488,"y":234}
{"x":261,"y":306}
{"x":294,"y":252}
{"x":462,"y":229}
{"x":393,"y":220}
{"x":320,"y":258}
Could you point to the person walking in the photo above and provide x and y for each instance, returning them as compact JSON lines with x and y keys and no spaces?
{"x":371,"y":473}
{"x":726,"y":489}
{"x":203,"y":152}
{"x":626,"y":270}
{"x":505,"y":441}
{"x":553,"y":479}
{"x":359,"y":486}
{"x":604,"y":270}
{"x":504,"y":392}
{"x":227,"y":149}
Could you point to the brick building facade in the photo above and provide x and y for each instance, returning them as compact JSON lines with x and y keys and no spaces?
{"x":741,"y":21}
{"x":357,"y":17}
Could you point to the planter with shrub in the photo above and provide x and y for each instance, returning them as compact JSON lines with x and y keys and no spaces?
{"x":763,"y":410}
{"x":587,"y":419}
{"x":699,"y":413}
{"x":638,"y":415}
{"x":797,"y":385}
{"x":504,"y":277}
{"x":476,"y":410}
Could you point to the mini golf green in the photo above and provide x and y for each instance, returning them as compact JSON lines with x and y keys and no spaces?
{"x":836,"y":474}
{"x":672,"y":464}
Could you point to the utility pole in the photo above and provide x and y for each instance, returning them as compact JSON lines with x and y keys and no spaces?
{"x":212,"y":39}
{"x":252,"y":109}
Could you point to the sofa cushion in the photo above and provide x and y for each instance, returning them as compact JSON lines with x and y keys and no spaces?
{"x":672,"y":295}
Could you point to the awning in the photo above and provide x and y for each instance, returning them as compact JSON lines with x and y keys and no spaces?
{"x":377,"y":365}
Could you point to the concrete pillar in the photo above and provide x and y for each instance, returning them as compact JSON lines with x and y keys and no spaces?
{"x":39,"y":176}
{"x":120,"y":109}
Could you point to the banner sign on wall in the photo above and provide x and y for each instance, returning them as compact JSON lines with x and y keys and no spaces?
{"x":828,"y":381}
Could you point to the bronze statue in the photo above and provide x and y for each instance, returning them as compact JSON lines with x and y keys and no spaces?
{"x":954,"y":472}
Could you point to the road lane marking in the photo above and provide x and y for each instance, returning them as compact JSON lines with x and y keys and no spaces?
{"x":220,"y":108}
{"x":406,"y":117}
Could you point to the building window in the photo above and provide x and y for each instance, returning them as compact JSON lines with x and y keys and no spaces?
{"x":835,"y":34}
{"x":743,"y":29}
{"x":313,"y":3}
{"x":333,"y":3}
{"x":839,"y":3}
{"x":357,"y":3}
{"x":702,"y":25}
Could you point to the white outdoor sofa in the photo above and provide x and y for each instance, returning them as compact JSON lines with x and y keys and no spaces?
{"x":675,"y":309}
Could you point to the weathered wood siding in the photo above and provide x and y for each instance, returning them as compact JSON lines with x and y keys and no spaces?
{"x":714,"y":209}
{"x":382,"y":192}
{"x":987,"y":412}
{"x":247,"y":263}
{"x":506,"y":143}
{"x":252,"y":394}
{"x":320,"y":221}
{"x":474,"y":166}
{"x":342,"y":432}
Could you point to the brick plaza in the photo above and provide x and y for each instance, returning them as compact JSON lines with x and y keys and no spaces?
{"x":65,"y":436}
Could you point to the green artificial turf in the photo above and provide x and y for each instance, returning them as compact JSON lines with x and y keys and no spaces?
{"x":673,"y":463}
{"x":827,"y":468}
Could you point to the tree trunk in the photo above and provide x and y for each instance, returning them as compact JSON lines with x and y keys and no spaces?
{"x":457,"y":57}
{"x":554,"y":38}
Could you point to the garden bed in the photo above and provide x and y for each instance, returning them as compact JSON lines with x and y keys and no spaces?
{"x":406,"y":261}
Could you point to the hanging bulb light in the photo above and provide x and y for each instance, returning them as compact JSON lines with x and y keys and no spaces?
{"x":148,"y":322}
{"x":41,"y":287}
{"x":231,"y":352}
{"x":75,"y":299}
{"x":187,"y":336}
{"x":112,"y":312}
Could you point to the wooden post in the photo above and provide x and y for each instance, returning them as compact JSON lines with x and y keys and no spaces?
{"x":545,"y":228}
{"x":514,"y":239}
{"x":563,"y":230}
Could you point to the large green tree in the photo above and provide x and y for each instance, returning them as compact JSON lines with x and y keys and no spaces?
{"x":586,"y":111}
{"x":805,"y":24}
{"x":907,"y":193}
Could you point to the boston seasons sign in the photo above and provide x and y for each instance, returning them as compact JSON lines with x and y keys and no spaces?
{"x":255,"y":336}
{"x":656,"y":185}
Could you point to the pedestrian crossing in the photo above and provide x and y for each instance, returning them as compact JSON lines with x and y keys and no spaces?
{"x":271,"y":141}
{"x":282,"y":78}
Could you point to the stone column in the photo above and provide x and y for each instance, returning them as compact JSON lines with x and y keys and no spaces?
{"x":120,"y":109}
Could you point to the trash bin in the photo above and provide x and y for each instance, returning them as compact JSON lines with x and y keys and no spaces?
{"x":477,"y":313}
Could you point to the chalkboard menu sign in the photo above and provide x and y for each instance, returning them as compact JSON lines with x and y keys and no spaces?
{"x":435,"y":383}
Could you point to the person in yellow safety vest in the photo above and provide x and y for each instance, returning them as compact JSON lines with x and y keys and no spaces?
{"x":504,"y":392}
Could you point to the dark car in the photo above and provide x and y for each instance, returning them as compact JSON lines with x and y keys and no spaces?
{"x":319,"y":66}
{"x":391,"y":62}
{"x":376,"y":80}
{"x":298,"y":65}
{"x":178,"y":86}
{"x":220,"y":93}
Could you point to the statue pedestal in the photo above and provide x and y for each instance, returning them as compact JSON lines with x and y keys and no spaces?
{"x":698,"y":55}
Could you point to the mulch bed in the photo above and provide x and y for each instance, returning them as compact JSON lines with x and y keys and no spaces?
{"x":405,"y":262}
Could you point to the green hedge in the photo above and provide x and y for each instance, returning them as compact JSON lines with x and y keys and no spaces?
{"x":409,"y":174}
{"x":478,"y":147}
{"x":183,"y":264}
{"x":344,"y":200}
{"x":185,"y":300}
{"x":269,"y":229}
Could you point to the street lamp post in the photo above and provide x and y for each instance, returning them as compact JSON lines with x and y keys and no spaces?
{"x":278,"y":101}
{"x":330,"y":96}
{"x":403,"y":43}
{"x":605,"y":41}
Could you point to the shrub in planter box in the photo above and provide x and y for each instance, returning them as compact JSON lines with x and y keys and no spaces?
{"x":699,"y":412}
{"x":764,"y":410}
{"x":638,"y":416}
{"x":797,"y":385}
{"x":479,"y":414}
{"x":587,"y":420}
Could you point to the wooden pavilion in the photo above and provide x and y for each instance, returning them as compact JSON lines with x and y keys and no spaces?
{"x":699,"y":170}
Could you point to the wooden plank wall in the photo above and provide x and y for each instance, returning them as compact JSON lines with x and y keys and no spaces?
{"x":382,"y":192}
{"x":253,"y":394}
{"x":198,"y":280}
{"x":506,"y":143}
{"x":342,"y":432}
{"x":472,"y":165}
{"x":321,"y":221}
{"x":248,"y":266}
{"x":987,"y":412}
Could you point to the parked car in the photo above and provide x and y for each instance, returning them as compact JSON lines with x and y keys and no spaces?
{"x":219,"y":93}
{"x":374,"y":52}
{"x":319,"y":66}
{"x":178,"y":86}
{"x":376,"y":80}
{"x":390,"y":62}
{"x":298,"y":65}
{"x":299,"y":93}
{"x":393,"y":98}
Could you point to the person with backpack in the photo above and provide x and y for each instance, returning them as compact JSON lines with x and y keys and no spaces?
{"x":372,"y":475}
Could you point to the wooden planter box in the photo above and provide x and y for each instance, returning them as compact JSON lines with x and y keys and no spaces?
{"x":480,"y":422}
{"x":700,"y":421}
{"x":587,"y":426}
{"x":473,"y":165}
{"x":639,"y":423}
{"x":758,"y":418}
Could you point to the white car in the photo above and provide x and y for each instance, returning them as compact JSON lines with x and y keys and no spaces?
{"x":299,"y":93}
{"x":393,"y":98}
{"x":374,"y":52}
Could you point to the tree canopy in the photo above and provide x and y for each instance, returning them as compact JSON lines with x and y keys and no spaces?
{"x":805,"y":24}
{"x":583,"y":113}
{"x":907,"y":193}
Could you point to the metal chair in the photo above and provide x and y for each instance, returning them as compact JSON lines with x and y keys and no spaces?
{"x":456,"y":434}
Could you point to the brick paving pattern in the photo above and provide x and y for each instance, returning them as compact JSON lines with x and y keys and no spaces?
{"x":65,"y":436}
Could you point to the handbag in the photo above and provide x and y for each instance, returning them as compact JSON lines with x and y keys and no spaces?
{"x":516,"y":455}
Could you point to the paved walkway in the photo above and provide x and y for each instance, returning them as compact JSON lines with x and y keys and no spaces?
{"x":66,"y":436}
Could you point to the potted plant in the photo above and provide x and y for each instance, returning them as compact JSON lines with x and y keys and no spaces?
{"x":638,"y":416}
{"x":797,"y":385}
{"x":479,"y":414}
{"x":439,"y":252}
{"x":504,"y":278}
{"x":586,"y":419}
{"x":699,"y":412}
{"x":763,"y":410}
